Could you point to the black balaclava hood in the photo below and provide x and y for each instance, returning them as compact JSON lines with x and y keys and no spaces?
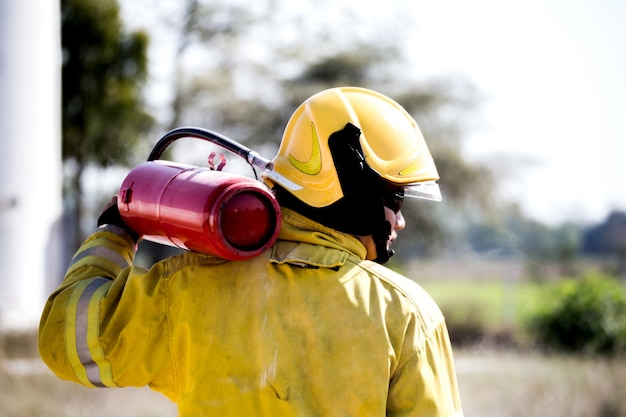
{"x":361,"y":210}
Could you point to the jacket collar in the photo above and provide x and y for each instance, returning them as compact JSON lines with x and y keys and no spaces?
{"x":300,"y":239}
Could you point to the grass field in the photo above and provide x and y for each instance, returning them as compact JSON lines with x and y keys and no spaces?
{"x":493,"y":383}
{"x":495,"y":303}
{"x":513,"y":384}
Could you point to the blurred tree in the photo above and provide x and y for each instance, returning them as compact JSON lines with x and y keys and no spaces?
{"x":540,"y":244}
{"x":102,"y":75}
{"x":609,"y":239}
{"x":216,"y":25}
{"x":585,"y":315}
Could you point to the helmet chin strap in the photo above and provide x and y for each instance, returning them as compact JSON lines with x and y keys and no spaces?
{"x":383,"y":254}
{"x":381,"y":237}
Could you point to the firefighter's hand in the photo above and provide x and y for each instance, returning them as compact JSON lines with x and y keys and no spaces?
{"x":111,"y":215}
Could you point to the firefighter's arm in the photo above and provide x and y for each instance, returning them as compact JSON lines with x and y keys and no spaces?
{"x":426,"y":384}
{"x":71,"y":316}
{"x":97,"y":328}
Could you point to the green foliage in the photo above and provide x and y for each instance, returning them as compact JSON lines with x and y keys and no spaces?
{"x":102,"y":75}
{"x":582,"y":315}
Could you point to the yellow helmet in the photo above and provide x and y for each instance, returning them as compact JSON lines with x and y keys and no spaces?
{"x":390,"y":140}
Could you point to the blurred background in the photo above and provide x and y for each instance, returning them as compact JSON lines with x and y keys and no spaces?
{"x":521,"y":103}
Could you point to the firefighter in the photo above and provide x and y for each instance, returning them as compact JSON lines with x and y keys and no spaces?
{"x":314,"y":326}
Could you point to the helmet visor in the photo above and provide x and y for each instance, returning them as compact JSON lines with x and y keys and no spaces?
{"x":427,"y":190}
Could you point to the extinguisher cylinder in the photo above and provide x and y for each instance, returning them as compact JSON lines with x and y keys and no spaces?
{"x":212,"y":212}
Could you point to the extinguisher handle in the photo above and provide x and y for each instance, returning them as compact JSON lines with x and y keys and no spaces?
{"x":250,"y":156}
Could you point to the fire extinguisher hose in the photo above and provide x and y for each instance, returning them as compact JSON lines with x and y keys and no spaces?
{"x":250,"y":156}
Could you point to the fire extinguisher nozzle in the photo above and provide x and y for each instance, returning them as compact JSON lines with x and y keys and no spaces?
{"x":248,"y":221}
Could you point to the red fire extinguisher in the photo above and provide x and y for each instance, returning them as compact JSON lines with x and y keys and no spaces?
{"x":200,"y":209}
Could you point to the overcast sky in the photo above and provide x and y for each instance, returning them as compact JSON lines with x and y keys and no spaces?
{"x":554,"y":73}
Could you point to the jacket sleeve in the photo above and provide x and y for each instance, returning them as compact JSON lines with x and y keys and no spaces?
{"x":426,"y":385}
{"x":423,"y":384}
{"x":102,"y":326}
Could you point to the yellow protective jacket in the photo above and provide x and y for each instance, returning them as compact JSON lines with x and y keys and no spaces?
{"x":307,"y":328}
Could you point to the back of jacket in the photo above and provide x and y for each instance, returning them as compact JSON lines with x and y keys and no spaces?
{"x":306,"y":329}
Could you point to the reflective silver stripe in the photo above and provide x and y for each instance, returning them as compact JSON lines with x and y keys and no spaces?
{"x":82,"y":324}
{"x":102,"y":252}
{"x":118,"y":231}
{"x":111,"y":228}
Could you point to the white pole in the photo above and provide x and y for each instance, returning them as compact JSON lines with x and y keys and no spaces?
{"x":31,"y":249}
